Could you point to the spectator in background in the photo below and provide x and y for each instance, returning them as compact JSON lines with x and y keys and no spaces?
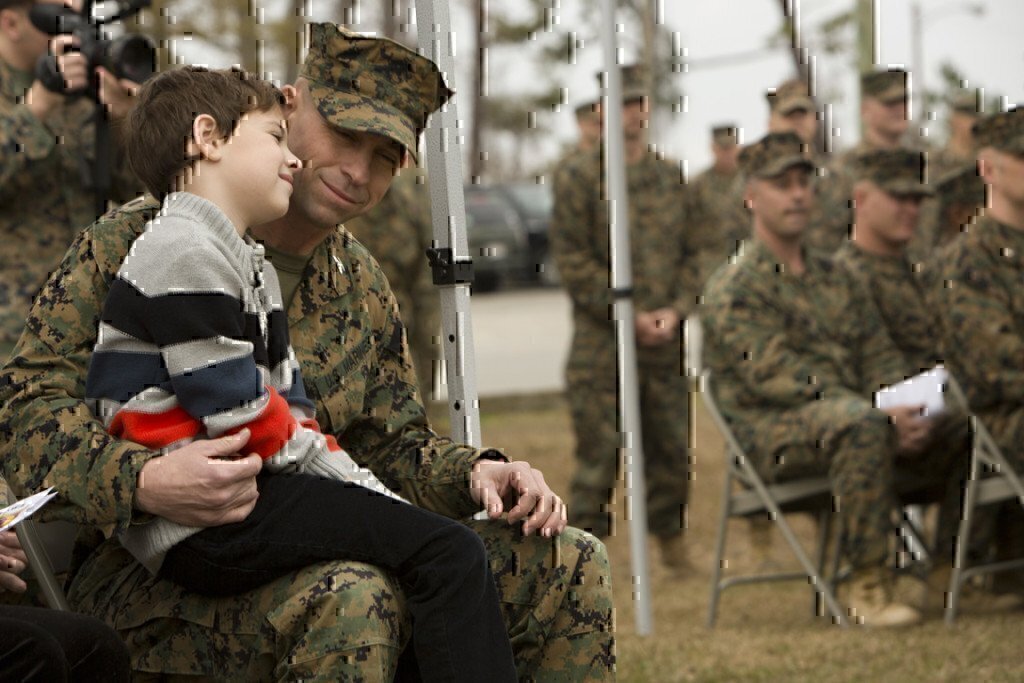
{"x":47,"y":141}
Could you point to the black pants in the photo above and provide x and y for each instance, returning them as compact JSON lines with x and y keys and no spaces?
{"x":39,"y":644}
{"x":299,"y":520}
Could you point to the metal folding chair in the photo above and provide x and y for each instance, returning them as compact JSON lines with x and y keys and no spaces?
{"x":40,"y":542}
{"x":991,"y":480}
{"x":810,"y":495}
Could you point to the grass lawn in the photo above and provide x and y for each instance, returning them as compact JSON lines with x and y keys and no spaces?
{"x":765,"y":632}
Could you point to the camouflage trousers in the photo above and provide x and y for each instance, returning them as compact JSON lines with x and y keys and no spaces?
{"x":868,"y":477}
{"x":347,"y":621}
{"x":664,"y":416}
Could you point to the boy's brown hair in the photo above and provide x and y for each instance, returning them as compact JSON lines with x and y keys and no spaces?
{"x":159,"y":126}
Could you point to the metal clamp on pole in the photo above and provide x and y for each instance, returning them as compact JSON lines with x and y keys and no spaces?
{"x":446,"y":270}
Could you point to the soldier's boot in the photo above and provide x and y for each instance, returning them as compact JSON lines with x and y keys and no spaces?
{"x":674,"y":555}
{"x":871,"y":602}
{"x":976,"y":596}
{"x":759,"y":532}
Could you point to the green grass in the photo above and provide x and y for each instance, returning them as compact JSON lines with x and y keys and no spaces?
{"x":765,"y":632}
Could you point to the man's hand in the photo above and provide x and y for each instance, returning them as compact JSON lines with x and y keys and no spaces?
{"x":521,"y":490}
{"x":73,"y":67}
{"x":645,"y":330}
{"x":912,"y":430}
{"x":206,"y":483}
{"x":657,"y":327}
{"x":118,"y":96}
{"x":12,"y":563}
{"x":666,"y":324}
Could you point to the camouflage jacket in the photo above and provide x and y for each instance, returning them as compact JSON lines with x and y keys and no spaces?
{"x":898,"y":289}
{"x":42,"y":198}
{"x":775,"y":342}
{"x":712,"y":201}
{"x":346,"y":334}
{"x":664,"y":245}
{"x":979,"y":294}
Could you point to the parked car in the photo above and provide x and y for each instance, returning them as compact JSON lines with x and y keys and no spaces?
{"x":497,"y":238}
{"x":534,"y":203}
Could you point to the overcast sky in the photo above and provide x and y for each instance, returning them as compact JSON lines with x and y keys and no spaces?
{"x":987,"y":49}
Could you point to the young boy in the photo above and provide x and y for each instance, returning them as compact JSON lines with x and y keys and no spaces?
{"x":193,"y":343}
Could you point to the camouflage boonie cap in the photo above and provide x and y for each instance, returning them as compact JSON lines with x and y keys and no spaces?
{"x":789,"y":97}
{"x":634,"y":77}
{"x":372,"y":84}
{"x":1003,"y":131}
{"x":773,"y":155}
{"x":897,"y":171}
{"x":726,"y":135}
{"x":965,"y":102}
{"x":888,"y":86}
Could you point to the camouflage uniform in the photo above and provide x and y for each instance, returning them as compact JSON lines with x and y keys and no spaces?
{"x":666,"y":274}
{"x":398,"y":232}
{"x":331,"y":621}
{"x":709,"y":203}
{"x":979,"y":295}
{"x":833,"y":216}
{"x":897,"y":288}
{"x":895,"y":284}
{"x":795,"y":360}
{"x":42,"y":197}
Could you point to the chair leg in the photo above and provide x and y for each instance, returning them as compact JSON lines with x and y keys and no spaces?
{"x":824,"y":535}
{"x":716,"y":570}
{"x":963,"y":540}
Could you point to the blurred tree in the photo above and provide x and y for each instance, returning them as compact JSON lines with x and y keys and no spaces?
{"x":513,"y":118}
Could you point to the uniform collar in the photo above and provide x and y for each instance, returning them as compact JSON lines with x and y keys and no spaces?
{"x":329,"y":275}
{"x":14,"y":82}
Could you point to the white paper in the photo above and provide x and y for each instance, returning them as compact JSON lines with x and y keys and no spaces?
{"x":924,"y":389}
{"x":12,"y":514}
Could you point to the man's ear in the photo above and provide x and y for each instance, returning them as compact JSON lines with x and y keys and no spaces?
{"x":985,"y":165}
{"x":291,"y":99}
{"x":748,"y":194}
{"x":206,"y":140}
{"x":10,"y":23}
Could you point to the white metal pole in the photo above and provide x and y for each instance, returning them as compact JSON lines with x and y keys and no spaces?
{"x":444,"y":148}
{"x":622,"y":285}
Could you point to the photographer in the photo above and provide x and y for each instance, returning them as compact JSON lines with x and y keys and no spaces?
{"x":47,"y":144}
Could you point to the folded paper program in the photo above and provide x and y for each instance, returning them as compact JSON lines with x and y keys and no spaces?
{"x":925,"y":389}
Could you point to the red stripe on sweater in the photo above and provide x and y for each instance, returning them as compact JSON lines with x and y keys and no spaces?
{"x":155,"y":430}
{"x":269,"y":432}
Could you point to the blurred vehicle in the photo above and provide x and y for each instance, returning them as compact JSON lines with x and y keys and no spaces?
{"x":497,"y":238}
{"x":534,"y":203}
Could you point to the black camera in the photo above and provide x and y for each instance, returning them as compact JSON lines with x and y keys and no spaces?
{"x":130,"y":56}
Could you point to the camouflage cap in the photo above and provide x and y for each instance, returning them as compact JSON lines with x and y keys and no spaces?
{"x":965,"y":102}
{"x":886,"y":85}
{"x":634,"y":78}
{"x":773,"y":155}
{"x":589,"y":109}
{"x":1003,"y":131}
{"x":897,"y":171}
{"x":789,"y":97}
{"x":372,"y":84}
{"x":961,"y":186}
{"x":725,"y":135}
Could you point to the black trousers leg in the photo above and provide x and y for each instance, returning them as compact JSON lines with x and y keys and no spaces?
{"x":458,"y":631}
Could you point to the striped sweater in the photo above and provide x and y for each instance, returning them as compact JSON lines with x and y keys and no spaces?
{"x":193,"y":344}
